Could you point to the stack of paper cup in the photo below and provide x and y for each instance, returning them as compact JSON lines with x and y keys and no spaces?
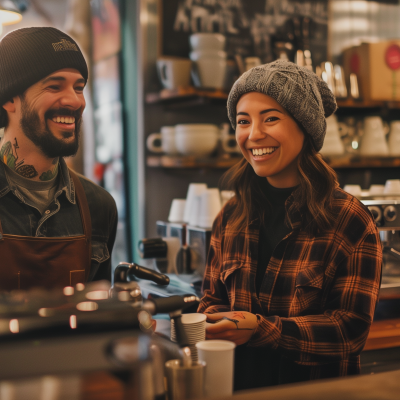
{"x":177,"y":210}
{"x":210,"y":206}
{"x":195,"y":328}
{"x":195,"y":189}
{"x":219,"y":357}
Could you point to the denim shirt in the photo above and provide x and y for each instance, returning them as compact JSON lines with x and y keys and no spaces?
{"x":62,"y":217}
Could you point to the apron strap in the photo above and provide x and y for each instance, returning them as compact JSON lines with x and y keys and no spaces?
{"x":83,"y":206}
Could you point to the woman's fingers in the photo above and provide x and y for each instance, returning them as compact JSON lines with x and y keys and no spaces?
{"x":214,"y":317}
{"x":220,"y":326}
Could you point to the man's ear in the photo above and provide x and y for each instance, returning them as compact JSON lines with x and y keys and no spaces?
{"x":9,"y":106}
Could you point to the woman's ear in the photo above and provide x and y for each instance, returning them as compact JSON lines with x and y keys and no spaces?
{"x":10,"y":106}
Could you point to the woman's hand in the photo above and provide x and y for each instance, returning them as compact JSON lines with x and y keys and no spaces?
{"x":236,"y":326}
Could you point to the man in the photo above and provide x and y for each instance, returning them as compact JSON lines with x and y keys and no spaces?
{"x":56,"y":227}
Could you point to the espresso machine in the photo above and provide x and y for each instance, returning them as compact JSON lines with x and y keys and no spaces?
{"x":386,"y":214}
{"x":180,"y":251}
{"x":53,"y":341}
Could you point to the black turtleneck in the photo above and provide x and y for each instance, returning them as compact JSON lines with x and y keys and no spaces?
{"x":273,"y":229}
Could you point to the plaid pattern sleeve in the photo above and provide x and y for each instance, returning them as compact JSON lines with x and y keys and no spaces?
{"x":318,"y":295}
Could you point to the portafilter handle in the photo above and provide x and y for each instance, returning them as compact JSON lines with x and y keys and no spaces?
{"x":125,"y":272}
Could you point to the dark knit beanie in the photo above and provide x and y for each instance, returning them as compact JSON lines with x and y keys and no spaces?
{"x":298,"y":90}
{"x":28,"y":55}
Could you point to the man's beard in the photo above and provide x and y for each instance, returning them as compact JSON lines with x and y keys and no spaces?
{"x":42,"y":136}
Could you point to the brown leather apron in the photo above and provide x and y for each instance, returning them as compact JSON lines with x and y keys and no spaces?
{"x":51,"y":262}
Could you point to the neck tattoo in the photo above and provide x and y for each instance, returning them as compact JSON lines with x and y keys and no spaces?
{"x":9,"y":156}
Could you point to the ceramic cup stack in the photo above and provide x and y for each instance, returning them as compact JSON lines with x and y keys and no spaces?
{"x":373,"y":142}
{"x":195,"y":327}
{"x":333,"y":144}
{"x":394,"y":138}
{"x":209,"y":59}
{"x":392,"y":189}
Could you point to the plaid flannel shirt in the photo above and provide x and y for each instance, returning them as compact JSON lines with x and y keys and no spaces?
{"x":318,"y":295}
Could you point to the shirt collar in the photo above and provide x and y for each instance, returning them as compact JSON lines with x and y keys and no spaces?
{"x":4,"y":185}
{"x":66,"y":183}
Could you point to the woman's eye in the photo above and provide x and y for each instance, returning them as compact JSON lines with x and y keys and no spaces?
{"x":53,"y":87}
{"x":242,"y":122}
{"x":271,"y":119}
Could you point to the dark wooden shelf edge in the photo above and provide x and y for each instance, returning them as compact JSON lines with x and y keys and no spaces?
{"x":191,"y":162}
{"x":222,"y":162}
{"x":183,"y":94}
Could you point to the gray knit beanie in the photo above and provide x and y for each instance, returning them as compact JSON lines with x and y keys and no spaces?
{"x":305,"y":96}
{"x":30,"y":54}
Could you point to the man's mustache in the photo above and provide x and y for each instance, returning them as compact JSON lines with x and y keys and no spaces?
{"x":65,"y":112}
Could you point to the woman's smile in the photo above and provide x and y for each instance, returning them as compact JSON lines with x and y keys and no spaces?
{"x":263,"y":153}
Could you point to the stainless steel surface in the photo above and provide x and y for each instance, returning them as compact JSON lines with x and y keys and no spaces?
{"x":184,"y":383}
{"x":386,"y":214}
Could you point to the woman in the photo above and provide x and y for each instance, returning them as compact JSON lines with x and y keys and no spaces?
{"x":294,"y":267}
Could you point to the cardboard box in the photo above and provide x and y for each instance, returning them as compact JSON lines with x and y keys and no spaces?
{"x":377,"y":66}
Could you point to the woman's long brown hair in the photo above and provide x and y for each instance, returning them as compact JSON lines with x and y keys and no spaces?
{"x":313,"y":197}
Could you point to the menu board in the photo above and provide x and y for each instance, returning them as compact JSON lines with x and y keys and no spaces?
{"x":252,"y":27}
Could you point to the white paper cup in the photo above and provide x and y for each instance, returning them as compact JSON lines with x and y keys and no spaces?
{"x":219,"y":357}
{"x":355,"y":190}
{"x":194,"y":217}
{"x":194,"y":189}
{"x":177,"y":210}
{"x":210,"y":206}
{"x":194,"y":325}
{"x":226,"y":195}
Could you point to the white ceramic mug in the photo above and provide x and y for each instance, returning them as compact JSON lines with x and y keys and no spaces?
{"x":163,"y":142}
{"x":209,"y":72}
{"x":209,"y":41}
{"x":196,"y":139}
{"x":174,"y":72}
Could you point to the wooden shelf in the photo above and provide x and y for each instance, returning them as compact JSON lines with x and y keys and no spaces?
{"x":226,"y":161}
{"x":351,"y":103}
{"x":357,"y":161}
{"x":188,"y":96}
{"x":192,"y":162}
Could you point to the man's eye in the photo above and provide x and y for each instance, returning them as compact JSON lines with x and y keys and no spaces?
{"x":80,"y":88}
{"x":54,"y":87}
